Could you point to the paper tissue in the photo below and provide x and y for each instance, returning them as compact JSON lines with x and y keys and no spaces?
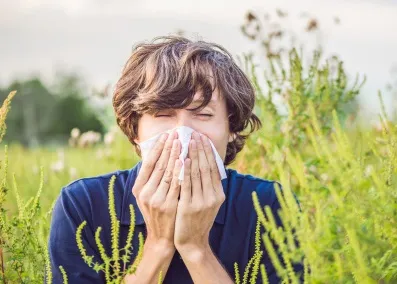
{"x":184,"y":136}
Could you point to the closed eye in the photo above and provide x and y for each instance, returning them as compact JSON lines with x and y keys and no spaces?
{"x":200,"y":114}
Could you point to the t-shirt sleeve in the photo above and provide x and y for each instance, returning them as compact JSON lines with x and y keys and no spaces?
{"x":270,"y":198}
{"x":69,"y":212}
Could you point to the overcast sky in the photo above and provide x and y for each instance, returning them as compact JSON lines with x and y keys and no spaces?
{"x":94,"y":37}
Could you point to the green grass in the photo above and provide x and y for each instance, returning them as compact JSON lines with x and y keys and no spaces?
{"x":345,"y":179}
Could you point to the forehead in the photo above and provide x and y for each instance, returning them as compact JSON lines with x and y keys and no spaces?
{"x":216,"y":98}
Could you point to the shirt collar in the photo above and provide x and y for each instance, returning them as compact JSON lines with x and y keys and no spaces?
{"x":129,"y":198}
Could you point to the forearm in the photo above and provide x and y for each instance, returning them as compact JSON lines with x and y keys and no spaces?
{"x":204,"y":267}
{"x":155,"y":258}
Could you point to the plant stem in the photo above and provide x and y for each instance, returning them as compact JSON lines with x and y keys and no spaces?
{"x":2,"y":263}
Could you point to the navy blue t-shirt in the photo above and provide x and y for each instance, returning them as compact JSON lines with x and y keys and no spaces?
{"x":232,"y":237}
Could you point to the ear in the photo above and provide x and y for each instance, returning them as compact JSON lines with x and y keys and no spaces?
{"x":232,"y":137}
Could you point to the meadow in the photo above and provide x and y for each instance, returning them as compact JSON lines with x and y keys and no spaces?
{"x":343,"y":173}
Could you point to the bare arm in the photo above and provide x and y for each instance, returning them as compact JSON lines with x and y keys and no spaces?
{"x":156,"y":257}
{"x":156,"y":190}
{"x":201,"y":197}
{"x":204,"y":267}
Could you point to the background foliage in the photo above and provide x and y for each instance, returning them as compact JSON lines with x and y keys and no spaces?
{"x":344,"y":174}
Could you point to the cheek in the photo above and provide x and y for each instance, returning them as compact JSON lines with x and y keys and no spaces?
{"x":220,"y":140}
{"x":148,"y":127}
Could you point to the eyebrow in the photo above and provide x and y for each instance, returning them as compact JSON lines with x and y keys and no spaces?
{"x":211,"y":102}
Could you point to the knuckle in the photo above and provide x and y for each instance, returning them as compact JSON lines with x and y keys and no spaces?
{"x":162,"y":209}
{"x":160,"y":167}
{"x":144,"y":199}
{"x":222,"y":197}
{"x":168,"y":173}
{"x":168,"y":147}
{"x":147,"y":164}
{"x":158,"y":146}
{"x":187,"y":182}
{"x":155,"y":204}
{"x":195,"y":175}
{"x":174,"y":181}
{"x":167,"y":180}
{"x":212,"y":203}
{"x":197,"y":208}
{"x":204,"y":169}
{"x":134,"y":190}
{"x":176,"y":175}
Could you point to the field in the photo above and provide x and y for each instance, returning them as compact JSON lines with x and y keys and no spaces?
{"x":343,"y":175}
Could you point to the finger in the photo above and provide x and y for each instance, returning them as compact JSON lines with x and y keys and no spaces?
{"x":186,"y":186}
{"x":166,"y":180}
{"x":150,"y":162}
{"x":195,"y":171}
{"x":161,"y":165}
{"x":175,"y":187}
{"x":209,"y":153}
{"x":206,"y":182}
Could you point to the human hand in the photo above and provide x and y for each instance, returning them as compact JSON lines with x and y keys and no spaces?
{"x":201,"y":197}
{"x":157,"y":190}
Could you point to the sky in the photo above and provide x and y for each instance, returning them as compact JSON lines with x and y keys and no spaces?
{"x":95,"y":37}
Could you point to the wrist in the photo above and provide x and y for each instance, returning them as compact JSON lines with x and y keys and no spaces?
{"x":194,"y":253}
{"x":159,"y":246}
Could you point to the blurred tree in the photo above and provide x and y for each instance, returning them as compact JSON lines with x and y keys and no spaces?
{"x":30,"y":117}
{"x":72,"y":111}
{"x":74,"y":107}
{"x":43,"y":115}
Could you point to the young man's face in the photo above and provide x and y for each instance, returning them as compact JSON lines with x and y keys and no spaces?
{"x":211,"y":121}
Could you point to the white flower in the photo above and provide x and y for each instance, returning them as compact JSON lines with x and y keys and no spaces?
{"x":368,"y":170}
{"x":75,"y":133}
{"x":109,"y":138}
{"x":73,"y":173}
{"x":313,"y":168}
{"x":89,"y":138}
{"x":58,"y":166}
{"x":324,"y":177}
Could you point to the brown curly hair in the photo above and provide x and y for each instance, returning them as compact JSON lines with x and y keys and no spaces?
{"x":167,"y":72}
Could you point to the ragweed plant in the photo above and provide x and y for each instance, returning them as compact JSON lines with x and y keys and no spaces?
{"x":254,"y":262}
{"x":347,"y":226}
{"x":22,"y":236}
{"x":115,"y":266}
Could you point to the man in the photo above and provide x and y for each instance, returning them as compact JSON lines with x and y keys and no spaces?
{"x":194,"y":231}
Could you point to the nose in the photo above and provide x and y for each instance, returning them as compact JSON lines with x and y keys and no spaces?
{"x":183,"y":119}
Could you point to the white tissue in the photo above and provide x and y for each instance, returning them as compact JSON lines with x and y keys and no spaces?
{"x":184,"y":135}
